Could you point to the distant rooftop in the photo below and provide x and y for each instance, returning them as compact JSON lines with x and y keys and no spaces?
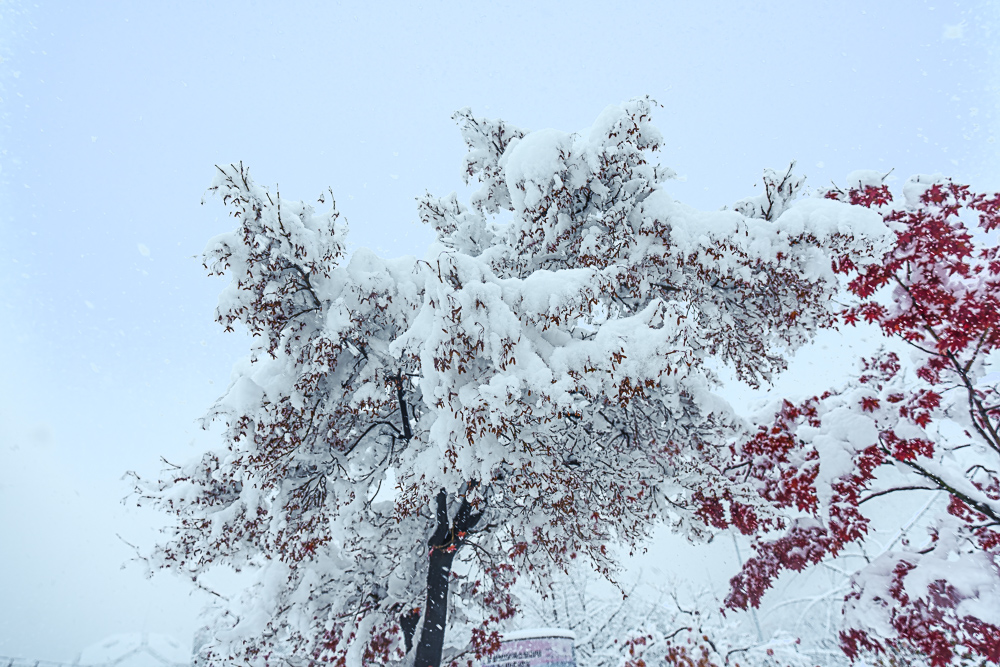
{"x":126,"y":650}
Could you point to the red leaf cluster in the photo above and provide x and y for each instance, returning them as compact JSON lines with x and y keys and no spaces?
{"x":943,"y":303}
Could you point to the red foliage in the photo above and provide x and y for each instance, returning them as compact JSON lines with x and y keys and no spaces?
{"x":944,"y":304}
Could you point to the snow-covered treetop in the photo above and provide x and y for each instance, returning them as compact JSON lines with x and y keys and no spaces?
{"x":543,"y":363}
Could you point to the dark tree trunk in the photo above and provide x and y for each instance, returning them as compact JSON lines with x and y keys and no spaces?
{"x":408,"y":622}
{"x":444,"y":543}
{"x":436,"y":610}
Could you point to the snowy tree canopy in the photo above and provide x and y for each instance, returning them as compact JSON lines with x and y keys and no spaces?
{"x":534,"y":390}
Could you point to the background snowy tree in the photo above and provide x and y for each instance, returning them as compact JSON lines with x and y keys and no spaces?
{"x":925,"y":436}
{"x":530,"y":393}
{"x":655,"y":620}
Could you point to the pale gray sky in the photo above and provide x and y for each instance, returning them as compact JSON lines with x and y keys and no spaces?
{"x":113,"y":114}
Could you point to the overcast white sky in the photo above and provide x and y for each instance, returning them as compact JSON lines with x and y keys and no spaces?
{"x":113,"y":114}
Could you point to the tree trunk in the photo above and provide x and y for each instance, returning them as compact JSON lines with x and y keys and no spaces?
{"x":444,"y":543}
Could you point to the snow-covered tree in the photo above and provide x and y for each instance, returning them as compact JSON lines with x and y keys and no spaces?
{"x":410,"y":436}
{"x":926,"y":437}
{"x":657,"y":623}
